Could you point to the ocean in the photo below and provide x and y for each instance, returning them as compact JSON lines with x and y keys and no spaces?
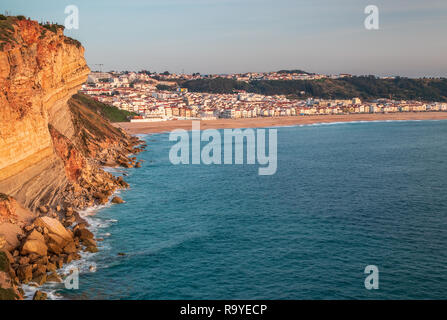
{"x":344,"y":196}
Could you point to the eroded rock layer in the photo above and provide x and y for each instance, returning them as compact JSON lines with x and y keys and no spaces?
{"x":39,"y":71}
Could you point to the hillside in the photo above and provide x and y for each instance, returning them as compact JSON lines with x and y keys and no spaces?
{"x":367,"y":88}
{"x":109,"y":112}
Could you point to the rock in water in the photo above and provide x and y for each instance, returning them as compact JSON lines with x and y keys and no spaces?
{"x":91,"y":249}
{"x":39,"y":295}
{"x":89,"y":242}
{"x":117,"y":200}
{"x":54,"y":277}
{"x":70,"y":248}
{"x":83,"y":234}
{"x":40,"y":279}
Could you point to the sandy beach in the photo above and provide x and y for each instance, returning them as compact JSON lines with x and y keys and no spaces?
{"x":164,"y":126}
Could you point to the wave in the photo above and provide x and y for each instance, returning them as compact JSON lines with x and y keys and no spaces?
{"x":49,"y":288}
{"x":114,"y":170}
{"x":364,"y":121}
{"x":317,"y":124}
{"x":169,"y":244}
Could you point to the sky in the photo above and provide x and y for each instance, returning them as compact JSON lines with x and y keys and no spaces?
{"x":236,"y":36}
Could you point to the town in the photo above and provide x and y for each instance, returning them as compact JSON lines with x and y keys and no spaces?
{"x":158,"y":97}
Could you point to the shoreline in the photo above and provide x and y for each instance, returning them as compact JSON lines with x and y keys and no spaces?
{"x":95,"y":225}
{"x":135,"y":128}
{"x":69,"y":218}
{"x":86,"y":259}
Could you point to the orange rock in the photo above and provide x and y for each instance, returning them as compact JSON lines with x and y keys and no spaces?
{"x":35,"y":235}
{"x":117,"y":200}
{"x":34,"y":246}
{"x":54,"y":227}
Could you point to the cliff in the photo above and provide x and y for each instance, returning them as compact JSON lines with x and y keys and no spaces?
{"x":44,"y":141}
{"x":39,"y":71}
{"x":52,"y":146}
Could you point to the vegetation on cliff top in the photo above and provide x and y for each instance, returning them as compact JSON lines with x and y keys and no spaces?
{"x":165,"y":87}
{"x":72,"y":41}
{"x":109,"y":112}
{"x":53,"y":27}
{"x":294,"y":71}
{"x":92,"y":126}
{"x":7,"y":30}
{"x":365,"y":87}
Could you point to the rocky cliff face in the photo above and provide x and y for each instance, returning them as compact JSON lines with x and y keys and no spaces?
{"x":44,"y":143}
{"x":39,"y":71}
{"x":52,"y":147}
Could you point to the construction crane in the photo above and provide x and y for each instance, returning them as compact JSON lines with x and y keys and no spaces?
{"x":100,"y":66}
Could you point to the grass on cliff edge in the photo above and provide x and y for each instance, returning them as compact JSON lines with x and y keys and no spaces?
{"x":113,"y":114}
{"x":6,"y":30}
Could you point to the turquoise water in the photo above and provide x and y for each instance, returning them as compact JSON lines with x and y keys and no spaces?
{"x":344,"y":196}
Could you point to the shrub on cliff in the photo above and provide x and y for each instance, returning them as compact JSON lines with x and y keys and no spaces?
{"x":6,"y":25}
{"x":2,"y":17}
{"x":53,"y":27}
{"x":6,"y":31}
{"x":165,"y":87}
{"x":72,"y":41}
{"x":112,"y":113}
{"x":365,"y":87}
